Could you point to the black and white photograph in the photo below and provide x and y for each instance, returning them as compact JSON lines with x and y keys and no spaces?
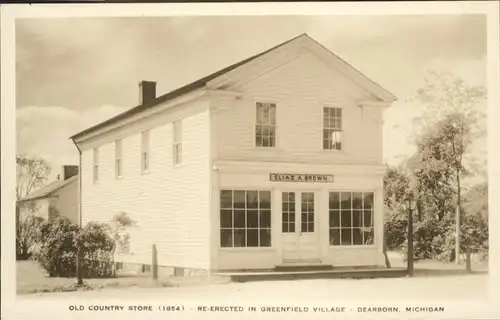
{"x":187,"y":165}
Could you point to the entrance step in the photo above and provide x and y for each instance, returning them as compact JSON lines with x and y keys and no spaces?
{"x":303,"y":267}
{"x":342,"y":273}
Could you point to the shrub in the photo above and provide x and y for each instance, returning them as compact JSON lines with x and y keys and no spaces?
{"x":435,"y":239}
{"x":119,"y":226}
{"x":474,"y":236}
{"x":395,"y":229}
{"x":56,"y":251}
{"x":59,"y":240}
{"x":96,"y":249}
{"x":27,"y":235}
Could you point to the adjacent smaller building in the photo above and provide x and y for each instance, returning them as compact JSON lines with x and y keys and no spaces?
{"x":58,"y":198}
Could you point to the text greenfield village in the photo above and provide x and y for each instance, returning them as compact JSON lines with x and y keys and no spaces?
{"x":262,"y":309}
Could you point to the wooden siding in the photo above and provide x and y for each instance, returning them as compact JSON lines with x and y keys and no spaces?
{"x":300,"y":88}
{"x":169,"y":203}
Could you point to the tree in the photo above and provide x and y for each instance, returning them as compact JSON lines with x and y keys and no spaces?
{"x":31,"y":173}
{"x":476,"y":201}
{"x":451,"y":104}
{"x":433,"y":174}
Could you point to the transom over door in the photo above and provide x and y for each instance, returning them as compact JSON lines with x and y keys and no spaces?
{"x":299,"y":230}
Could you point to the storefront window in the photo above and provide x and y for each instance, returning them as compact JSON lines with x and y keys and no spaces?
{"x":351,"y":218}
{"x":245,"y":218}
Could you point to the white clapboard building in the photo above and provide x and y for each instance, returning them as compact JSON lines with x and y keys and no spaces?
{"x":273,"y":161}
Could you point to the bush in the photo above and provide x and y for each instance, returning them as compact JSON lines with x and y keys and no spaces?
{"x":26,"y":236}
{"x":97,"y":250}
{"x":474,"y":236}
{"x":56,"y":251}
{"x":58,"y":243}
{"x":435,"y":239}
{"x":395,"y":229}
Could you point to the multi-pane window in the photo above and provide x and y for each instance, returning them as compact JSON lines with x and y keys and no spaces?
{"x":288,"y":212}
{"x":265,"y":125}
{"x":95,"y":165}
{"x":177,"y":144}
{"x":351,"y":218}
{"x":118,"y":159}
{"x":245,"y":218}
{"x":145,"y":151}
{"x":307,"y":212}
{"x":332,"y":128}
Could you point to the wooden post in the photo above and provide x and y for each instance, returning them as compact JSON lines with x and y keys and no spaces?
{"x":468,"y":267}
{"x":154,"y":262}
{"x":410,"y":243}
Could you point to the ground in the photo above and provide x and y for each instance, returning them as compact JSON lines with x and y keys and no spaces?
{"x":432,"y":279}
{"x":454,"y":287}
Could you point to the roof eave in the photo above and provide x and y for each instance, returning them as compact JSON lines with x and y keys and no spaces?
{"x":35,"y":198}
{"x":83,"y":135}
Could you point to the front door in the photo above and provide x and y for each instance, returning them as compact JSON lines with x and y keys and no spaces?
{"x":299,"y":230}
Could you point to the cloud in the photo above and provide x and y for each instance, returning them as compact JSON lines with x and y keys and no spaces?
{"x":45,"y":131}
{"x":86,"y":62}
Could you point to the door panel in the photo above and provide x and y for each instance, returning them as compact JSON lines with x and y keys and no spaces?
{"x":289,"y":227}
{"x":299,"y":236}
{"x":308,"y":243}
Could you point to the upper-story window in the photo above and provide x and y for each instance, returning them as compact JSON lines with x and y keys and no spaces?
{"x":118,"y":158}
{"x":177,"y":142}
{"x":145,"y":151}
{"x":332,"y":128}
{"x":265,"y":126}
{"x":95,"y":165}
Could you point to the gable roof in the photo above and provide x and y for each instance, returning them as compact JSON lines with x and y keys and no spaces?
{"x":201,"y":83}
{"x":49,"y":189}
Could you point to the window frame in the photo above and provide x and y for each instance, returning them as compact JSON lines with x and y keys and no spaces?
{"x":118,"y":158}
{"x":95,"y":165}
{"x":257,"y":101}
{"x":323,"y":128}
{"x":373,"y":217}
{"x":295,"y":213}
{"x":246,"y":247}
{"x":177,"y":144}
{"x":145,"y":151}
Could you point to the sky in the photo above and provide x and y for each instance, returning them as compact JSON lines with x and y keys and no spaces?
{"x":72,"y":73}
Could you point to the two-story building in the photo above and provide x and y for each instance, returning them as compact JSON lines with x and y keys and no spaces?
{"x":273,"y":161}
{"x":57,"y":198}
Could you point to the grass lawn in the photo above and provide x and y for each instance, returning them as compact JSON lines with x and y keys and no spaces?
{"x":31,"y":278}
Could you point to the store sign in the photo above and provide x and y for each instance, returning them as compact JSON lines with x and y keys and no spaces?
{"x":287,"y":177}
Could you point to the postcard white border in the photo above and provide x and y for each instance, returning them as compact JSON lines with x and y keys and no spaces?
{"x":10,"y":12}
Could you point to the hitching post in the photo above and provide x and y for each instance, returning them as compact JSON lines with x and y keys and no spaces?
{"x":468,"y":266}
{"x":154,"y":262}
